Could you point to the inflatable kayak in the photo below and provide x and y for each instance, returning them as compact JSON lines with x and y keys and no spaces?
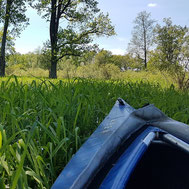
{"x":131,"y":149}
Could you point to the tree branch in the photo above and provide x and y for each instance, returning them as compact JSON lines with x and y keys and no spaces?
{"x":64,"y":8}
{"x":68,"y":54}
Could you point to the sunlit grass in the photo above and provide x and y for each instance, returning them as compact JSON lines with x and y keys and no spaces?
{"x":43,"y":122}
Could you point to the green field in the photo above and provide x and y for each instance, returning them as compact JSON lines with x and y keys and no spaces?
{"x":44,"y":122}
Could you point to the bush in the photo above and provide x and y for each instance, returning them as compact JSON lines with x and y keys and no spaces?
{"x":107,"y":71}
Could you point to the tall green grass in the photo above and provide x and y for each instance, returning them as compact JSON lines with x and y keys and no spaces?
{"x":44,"y":122}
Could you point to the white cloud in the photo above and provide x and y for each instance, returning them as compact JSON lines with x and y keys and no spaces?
{"x":118,"y":51}
{"x":152,"y":5}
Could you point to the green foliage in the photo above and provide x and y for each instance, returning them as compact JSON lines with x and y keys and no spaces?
{"x":36,"y":59}
{"x":172,"y":54}
{"x":77,"y":37}
{"x":43,"y":59}
{"x":9,"y":43}
{"x":16,"y":15}
{"x":82,"y":21}
{"x":88,"y":58}
{"x":28,"y":60}
{"x":44,"y":122}
{"x":122,"y":62}
{"x":12,"y":13}
{"x":67,"y":68}
{"x":103,"y":57}
{"x":126,"y":62}
{"x":34,"y":64}
{"x":106,"y":71}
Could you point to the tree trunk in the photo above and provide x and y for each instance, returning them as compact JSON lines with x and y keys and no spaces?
{"x":145,"y":59}
{"x":54,"y":24}
{"x":145,"y":50}
{"x":53,"y":68}
{"x":4,"y":38}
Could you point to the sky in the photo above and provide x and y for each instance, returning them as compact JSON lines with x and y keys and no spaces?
{"x":122,"y":14}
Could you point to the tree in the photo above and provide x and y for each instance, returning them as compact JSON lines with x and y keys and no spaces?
{"x":126,"y":62}
{"x":103,"y":57}
{"x":120,"y":61}
{"x":172,"y":52}
{"x":81,"y":21}
{"x":12,"y":12}
{"x":142,"y":36}
{"x":9,"y":48}
{"x":86,"y":58}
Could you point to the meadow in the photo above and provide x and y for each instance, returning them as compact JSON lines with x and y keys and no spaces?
{"x":44,"y":122}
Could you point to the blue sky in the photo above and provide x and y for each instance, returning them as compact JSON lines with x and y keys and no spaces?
{"x":121,"y":12}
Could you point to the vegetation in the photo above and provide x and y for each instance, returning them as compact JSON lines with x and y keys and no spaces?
{"x":83,"y":19}
{"x":12,"y":12}
{"x":9,"y":44}
{"x":142,"y":36}
{"x":43,"y":123}
{"x":70,"y":50}
{"x":172,"y":52}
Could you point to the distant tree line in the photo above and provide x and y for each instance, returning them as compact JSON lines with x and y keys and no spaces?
{"x":38,"y":59}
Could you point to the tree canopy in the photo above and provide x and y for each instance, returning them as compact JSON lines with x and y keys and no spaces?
{"x":172,"y":51}
{"x":73,"y":24}
{"x":12,"y":13}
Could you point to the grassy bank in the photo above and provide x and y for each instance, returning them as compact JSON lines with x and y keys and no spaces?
{"x":44,"y":122}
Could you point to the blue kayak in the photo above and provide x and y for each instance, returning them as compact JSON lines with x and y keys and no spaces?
{"x":131,"y":148}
